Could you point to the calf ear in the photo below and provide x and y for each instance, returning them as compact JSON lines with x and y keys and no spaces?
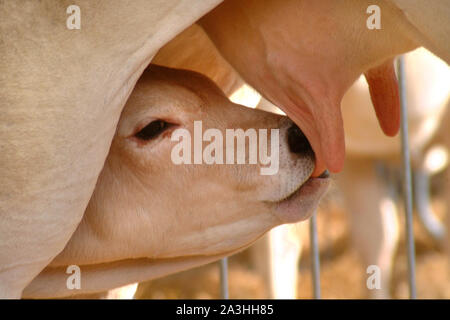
{"x":383,"y":87}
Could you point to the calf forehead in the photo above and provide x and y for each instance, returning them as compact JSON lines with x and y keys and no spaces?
{"x":160,"y":96}
{"x":170,"y":93}
{"x":190,"y":80}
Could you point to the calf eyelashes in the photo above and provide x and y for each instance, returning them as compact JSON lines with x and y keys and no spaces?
{"x":153,"y":130}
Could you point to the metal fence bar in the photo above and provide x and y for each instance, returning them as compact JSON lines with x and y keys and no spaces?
{"x":314,"y":251}
{"x":407,"y":181}
{"x":224,"y":278}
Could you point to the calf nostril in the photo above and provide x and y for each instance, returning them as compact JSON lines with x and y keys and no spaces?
{"x":297,"y":141}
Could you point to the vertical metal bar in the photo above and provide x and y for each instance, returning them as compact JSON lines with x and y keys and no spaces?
{"x":224,"y":278}
{"x":315,"y":260}
{"x":407,"y":181}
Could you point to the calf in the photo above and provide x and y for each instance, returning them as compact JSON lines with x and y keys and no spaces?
{"x":149,"y":216}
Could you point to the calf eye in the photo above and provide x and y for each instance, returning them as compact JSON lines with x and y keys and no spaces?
{"x":152,"y":130}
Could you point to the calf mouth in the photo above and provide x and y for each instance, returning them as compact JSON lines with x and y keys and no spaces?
{"x":301,"y":203}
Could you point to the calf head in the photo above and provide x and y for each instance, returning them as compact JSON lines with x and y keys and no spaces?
{"x":147,"y":206}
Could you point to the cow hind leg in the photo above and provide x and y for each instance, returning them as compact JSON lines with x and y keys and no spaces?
{"x":276,"y":257}
{"x":373,"y":219}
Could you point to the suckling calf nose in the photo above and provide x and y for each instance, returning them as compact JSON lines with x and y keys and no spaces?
{"x":297,"y":141}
